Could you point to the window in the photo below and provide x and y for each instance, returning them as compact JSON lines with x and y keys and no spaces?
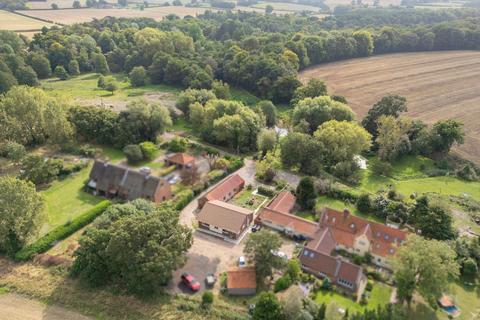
{"x":345,"y":283}
{"x":333,"y":219}
{"x":305,"y":252}
{"x":379,"y":259}
{"x":311,"y":254}
{"x":352,"y":226}
{"x":378,"y":234}
{"x":386,"y":237}
{"x":361,"y":243}
{"x":391,"y":251}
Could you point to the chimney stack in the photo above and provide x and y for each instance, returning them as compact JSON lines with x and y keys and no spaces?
{"x":345,"y":213}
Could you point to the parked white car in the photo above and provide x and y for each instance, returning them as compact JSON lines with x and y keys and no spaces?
{"x":280,"y":254}
{"x":242,"y":262}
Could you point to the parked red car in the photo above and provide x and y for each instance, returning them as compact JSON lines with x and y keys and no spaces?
{"x":190,"y":282}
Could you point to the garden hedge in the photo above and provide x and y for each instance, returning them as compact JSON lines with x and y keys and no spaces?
{"x":61,"y":232}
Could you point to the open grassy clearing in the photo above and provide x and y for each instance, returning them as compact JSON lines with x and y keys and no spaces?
{"x":16,"y":22}
{"x":83,"y":89}
{"x":70,"y":16}
{"x":437,"y":85}
{"x":380,"y":295}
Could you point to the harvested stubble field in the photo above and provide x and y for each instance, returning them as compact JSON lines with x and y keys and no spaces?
{"x":47,"y":4}
{"x":71,"y":16}
{"x":437,"y":85}
{"x":16,"y":22}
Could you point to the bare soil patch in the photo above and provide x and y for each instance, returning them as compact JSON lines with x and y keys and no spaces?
{"x":437,"y":85}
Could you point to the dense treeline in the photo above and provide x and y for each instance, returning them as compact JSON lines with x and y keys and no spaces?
{"x":354,"y":17}
{"x":261,"y":53}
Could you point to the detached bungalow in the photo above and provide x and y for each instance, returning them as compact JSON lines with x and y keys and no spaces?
{"x":224,"y":191}
{"x":241,"y":281}
{"x":122,"y":182}
{"x":224,"y":220}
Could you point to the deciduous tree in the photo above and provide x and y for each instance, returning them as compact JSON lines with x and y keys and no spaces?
{"x":268,"y":308}
{"x":135,"y":245}
{"x":424,"y":266}
{"x":318,"y":110}
{"x":390,"y":105}
{"x":259,"y":248}
{"x":342,"y":140}
{"x":21,"y":213}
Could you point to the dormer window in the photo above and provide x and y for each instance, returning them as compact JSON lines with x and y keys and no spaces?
{"x":378,"y":234}
{"x":333,"y":219}
{"x":352,"y":226}
{"x":386,"y":237}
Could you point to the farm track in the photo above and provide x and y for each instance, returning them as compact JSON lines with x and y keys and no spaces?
{"x":437,"y":85}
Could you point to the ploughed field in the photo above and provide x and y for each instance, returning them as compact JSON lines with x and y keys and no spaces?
{"x":437,"y":85}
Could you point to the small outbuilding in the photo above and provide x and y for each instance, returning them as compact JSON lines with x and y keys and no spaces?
{"x":180,"y":160}
{"x":241,"y":281}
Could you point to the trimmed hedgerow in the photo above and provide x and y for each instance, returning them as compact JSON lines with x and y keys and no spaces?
{"x":183,"y":198}
{"x":62,"y":232}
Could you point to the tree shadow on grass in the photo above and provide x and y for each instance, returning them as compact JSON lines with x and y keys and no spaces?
{"x":422,"y":311}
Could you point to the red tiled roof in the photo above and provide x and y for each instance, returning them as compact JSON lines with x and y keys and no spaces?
{"x":286,"y":220}
{"x":226,"y":186}
{"x":241,"y":278}
{"x":323,"y":241}
{"x":181,"y":158}
{"x":333,"y":267}
{"x":283,"y":202}
{"x":346,"y":227}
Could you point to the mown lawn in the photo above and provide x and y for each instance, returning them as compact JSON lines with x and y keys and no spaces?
{"x":380,"y":295}
{"x":65,"y":199}
{"x":409,"y":176}
{"x":245,"y":199}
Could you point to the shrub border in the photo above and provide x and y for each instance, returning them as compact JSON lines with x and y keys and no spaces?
{"x":61,"y":232}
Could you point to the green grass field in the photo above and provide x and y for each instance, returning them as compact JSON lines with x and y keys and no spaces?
{"x":84,"y":87}
{"x":409,"y":176}
{"x":65,"y":199}
{"x":380,"y":295}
